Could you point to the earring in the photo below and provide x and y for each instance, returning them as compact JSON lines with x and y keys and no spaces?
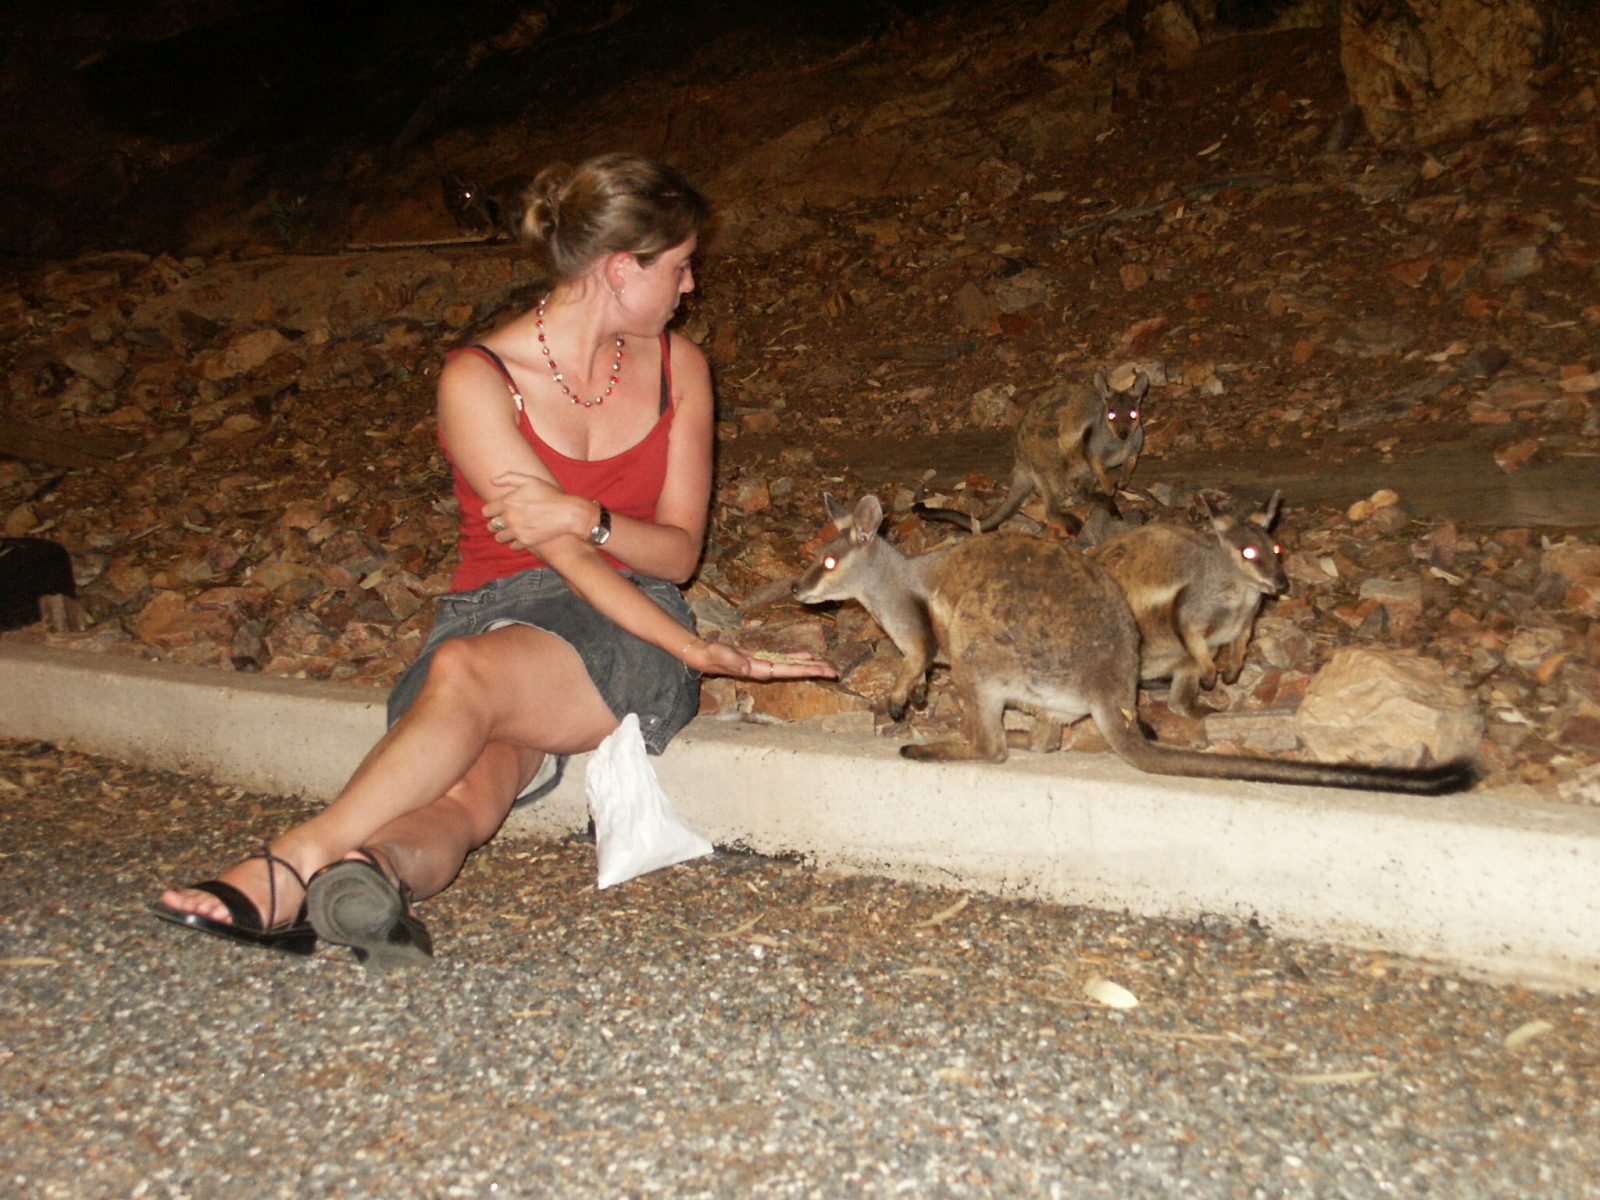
{"x":616,"y":293}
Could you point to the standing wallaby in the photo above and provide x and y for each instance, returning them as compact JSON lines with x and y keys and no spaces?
{"x":1192,"y":595}
{"x":496,"y":209}
{"x":1031,"y":623}
{"x":1070,"y":440}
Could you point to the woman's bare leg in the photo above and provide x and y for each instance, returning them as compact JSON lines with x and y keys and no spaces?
{"x":441,"y":780}
{"x":427,"y":846}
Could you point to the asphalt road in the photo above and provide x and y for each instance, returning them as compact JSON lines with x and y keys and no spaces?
{"x":735,"y":1027}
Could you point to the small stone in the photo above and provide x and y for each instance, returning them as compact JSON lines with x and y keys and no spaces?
{"x":992,"y":408}
{"x":754,"y":497}
{"x":1529,"y":648}
{"x":1388,"y":708}
{"x":1265,"y":731}
{"x":98,"y":367}
{"x":719,"y":695}
{"x":1517,"y":455}
{"x":798,"y":699}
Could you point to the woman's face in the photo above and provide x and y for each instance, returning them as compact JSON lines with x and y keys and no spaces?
{"x":656,"y":289}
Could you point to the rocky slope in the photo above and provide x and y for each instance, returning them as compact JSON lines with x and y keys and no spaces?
{"x":917,"y":232}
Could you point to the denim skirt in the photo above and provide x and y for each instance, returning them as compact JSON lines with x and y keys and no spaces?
{"x":631,"y":675}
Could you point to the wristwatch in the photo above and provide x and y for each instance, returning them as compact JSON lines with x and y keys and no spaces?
{"x":601,"y":533}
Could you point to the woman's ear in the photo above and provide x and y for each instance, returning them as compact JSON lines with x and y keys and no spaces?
{"x":619,"y":270}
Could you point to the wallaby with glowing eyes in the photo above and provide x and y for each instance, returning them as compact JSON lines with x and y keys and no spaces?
{"x":1193,"y":595}
{"x":1069,"y":441}
{"x":1034,"y":624}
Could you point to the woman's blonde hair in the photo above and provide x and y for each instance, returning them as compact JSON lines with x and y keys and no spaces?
{"x":612,"y":203}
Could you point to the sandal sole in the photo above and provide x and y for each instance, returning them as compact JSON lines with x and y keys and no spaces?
{"x":352,"y":904}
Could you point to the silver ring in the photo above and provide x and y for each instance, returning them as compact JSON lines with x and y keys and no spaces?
{"x":496,"y":525}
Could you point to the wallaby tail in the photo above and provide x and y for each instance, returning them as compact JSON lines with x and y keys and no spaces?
{"x":1129,"y":740}
{"x":1013,"y":501}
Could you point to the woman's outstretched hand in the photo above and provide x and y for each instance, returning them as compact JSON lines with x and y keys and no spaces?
{"x":715,"y":658}
{"x":534,"y":512}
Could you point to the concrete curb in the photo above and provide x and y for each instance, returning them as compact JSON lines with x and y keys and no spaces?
{"x":1508,"y":888}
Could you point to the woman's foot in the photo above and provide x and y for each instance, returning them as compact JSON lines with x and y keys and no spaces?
{"x":251,"y":903}
{"x":362,"y":902}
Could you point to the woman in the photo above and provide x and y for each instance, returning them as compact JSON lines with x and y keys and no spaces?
{"x":580,"y":438}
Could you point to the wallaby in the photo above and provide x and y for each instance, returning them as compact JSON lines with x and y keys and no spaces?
{"x":1192,"y":595}
{"x":1071,"y":438}
{"x":1032,"y":623}
{"x":496,"y":209}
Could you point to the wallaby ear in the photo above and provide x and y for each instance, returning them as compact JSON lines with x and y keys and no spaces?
{"x":1221,"y":522}
{"x":866,"y":519}
{"x":1101,"y":385}
{"x":1141,"y":385}
{"x":1269,"y":514}
{"x":837,"y":513}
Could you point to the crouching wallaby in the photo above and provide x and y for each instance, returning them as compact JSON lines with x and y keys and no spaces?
{"x":1031,"y":623}
{"x":1068,"y":443}
{"x":1193,"y":595}
{"x":497,"y":208}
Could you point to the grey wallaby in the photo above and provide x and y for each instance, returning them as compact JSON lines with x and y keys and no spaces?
{"x":1068,"y":442}
{"x":1031,"y":623}
{"x":1193,"y":595}
{"x":496,"y":208}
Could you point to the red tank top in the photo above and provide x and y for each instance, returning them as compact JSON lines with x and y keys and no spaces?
{"x":629,"y":484}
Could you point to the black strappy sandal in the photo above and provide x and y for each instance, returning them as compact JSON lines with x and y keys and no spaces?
{"x":246,"y":926}
{"x":354,"y":903}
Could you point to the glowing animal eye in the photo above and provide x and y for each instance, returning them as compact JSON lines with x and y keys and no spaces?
{"x":1277,"y":549}
{"x":829,"y":563}
{"x":1111,"y":415}
{"x":1133,"y":414}
{"x":1249,"y":552}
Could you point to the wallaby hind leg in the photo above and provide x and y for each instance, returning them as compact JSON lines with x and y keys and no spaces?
{"x":1183,"y":698}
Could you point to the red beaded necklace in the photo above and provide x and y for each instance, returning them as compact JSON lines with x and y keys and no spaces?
{"x":616,"y":367}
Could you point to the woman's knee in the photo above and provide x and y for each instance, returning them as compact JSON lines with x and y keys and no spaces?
{"x":459,"y":668}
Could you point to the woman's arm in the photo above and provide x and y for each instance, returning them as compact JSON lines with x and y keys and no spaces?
{"x":478,"y":422}
{"x":666,"y":548}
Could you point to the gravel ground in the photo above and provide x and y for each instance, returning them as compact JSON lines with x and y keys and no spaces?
{"x":737,"y":1027}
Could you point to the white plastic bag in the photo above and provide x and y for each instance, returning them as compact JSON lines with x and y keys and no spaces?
{"x":636,"y":830}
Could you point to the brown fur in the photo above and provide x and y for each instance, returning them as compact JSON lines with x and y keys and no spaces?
{"x":1193,"y":596}
{"x":1030,"y":623}
{"x":1069,"y":442}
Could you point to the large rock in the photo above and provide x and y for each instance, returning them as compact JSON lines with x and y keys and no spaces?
{"x":1422,"y":69}
{"x":1389,"y":709}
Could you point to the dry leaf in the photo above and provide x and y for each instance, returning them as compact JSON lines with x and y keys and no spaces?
{"x":1334,"y":1077}
{"x":28,"y":962}
{"x":1523,"y":1034}
{"x":939,"y":918}
{"x":1112,"y":995}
